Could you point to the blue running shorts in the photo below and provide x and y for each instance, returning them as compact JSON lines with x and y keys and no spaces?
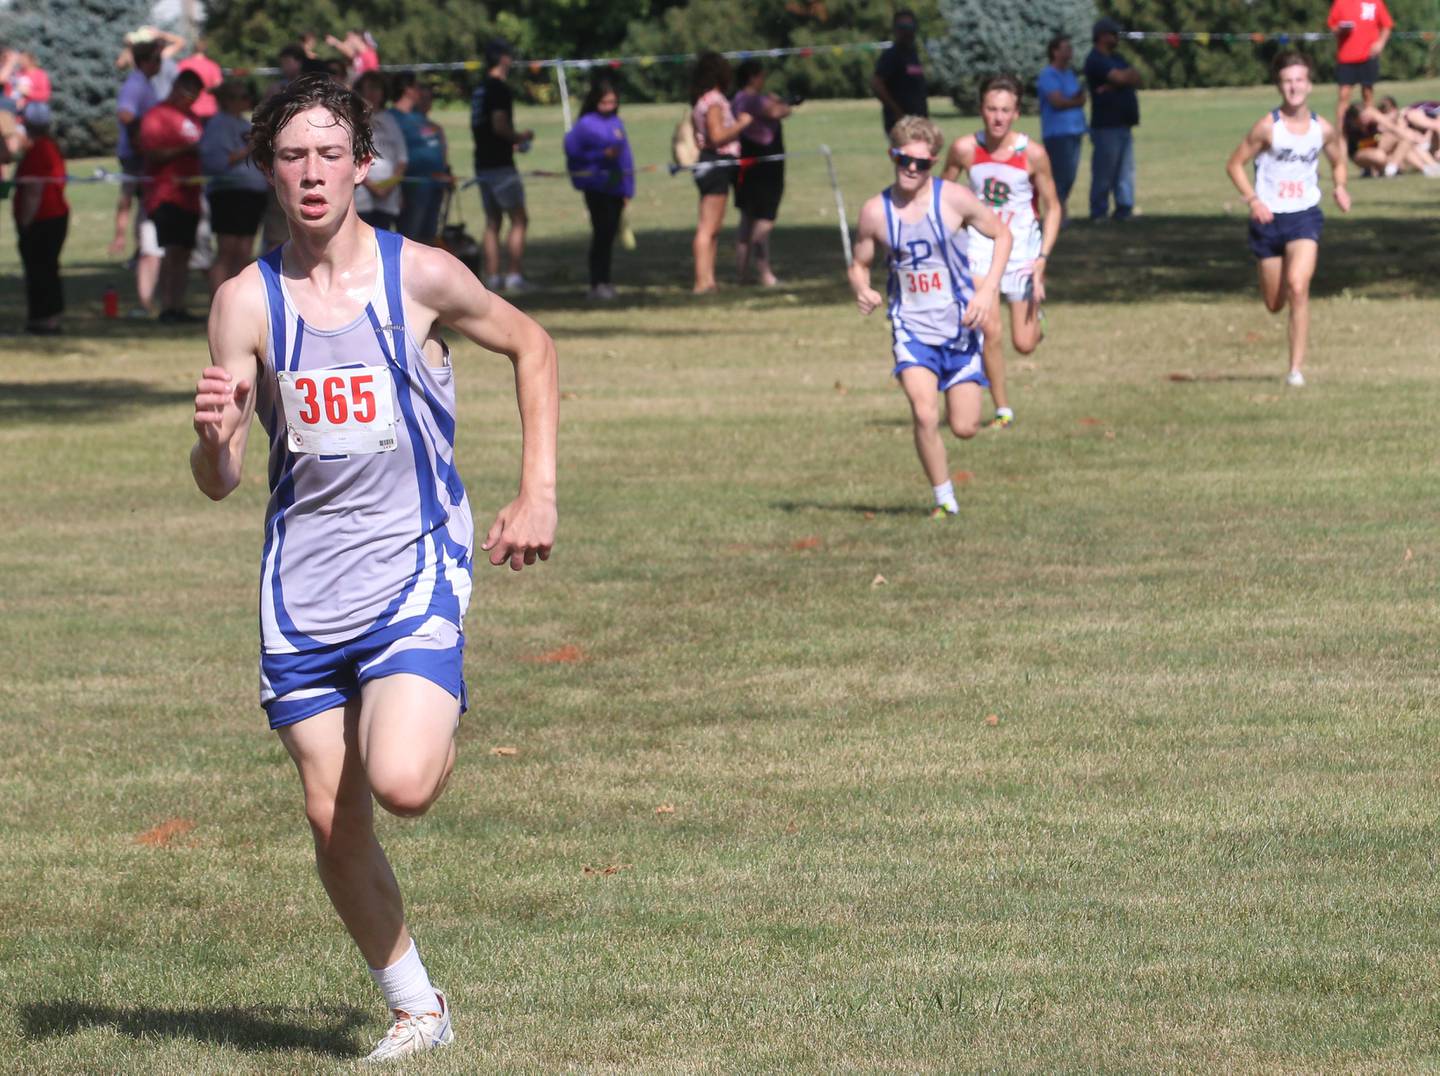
{"x":950,"y":366}
{"x":296,"y":686}
{"x":1268,"y":240}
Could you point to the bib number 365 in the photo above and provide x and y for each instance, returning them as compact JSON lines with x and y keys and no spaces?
{"x":339,"y":410}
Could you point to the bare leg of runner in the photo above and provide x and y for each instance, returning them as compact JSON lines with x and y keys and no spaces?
{"x":1300,"y":258}
{"x":1272,"y":283}
{"x":1025,"y":329}
{"x":994,"y":355}
{"x":396,"y":745}
{"x":350,"y":862}
{"x":922,"y":390}
{"x":962,"y":406}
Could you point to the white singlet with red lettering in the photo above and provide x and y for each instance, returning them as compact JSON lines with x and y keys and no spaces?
{"x":1287,"y":172}
{"x":1007,"y":188}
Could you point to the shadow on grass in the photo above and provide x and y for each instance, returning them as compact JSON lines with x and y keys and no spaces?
{"x":1151,"y":257}
{"x":81,"y":401}
{"x":845,"y":509}
{"x":249,"y":1029}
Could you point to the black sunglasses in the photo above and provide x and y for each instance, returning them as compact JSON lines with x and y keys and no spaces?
{"x":920,"y":164}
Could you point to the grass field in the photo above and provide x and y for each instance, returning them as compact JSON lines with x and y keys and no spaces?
{"x":1199,"y":833}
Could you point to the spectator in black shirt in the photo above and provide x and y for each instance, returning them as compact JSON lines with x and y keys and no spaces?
{"x":492,"y":123}
{"x":899,"y":79}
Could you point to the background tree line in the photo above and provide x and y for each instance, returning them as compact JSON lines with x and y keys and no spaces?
{"x":77,"y":40}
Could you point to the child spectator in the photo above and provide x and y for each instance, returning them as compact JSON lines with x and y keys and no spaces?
{"x":42,"y":217}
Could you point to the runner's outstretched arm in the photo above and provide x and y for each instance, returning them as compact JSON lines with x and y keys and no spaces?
{"x":1248,"y":149}
{"x":225,"y":393}
{"x":986,"y":221}
{"x":1335,"y":152}
{"x":871,"y":222}
{"x":524,"y":530}
{"x":1044,"y":180}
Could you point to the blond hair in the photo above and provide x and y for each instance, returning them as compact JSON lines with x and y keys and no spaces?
{"x":909,"y":129}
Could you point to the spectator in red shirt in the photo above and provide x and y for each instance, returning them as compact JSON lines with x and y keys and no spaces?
{"x":42,"y":217}
{"x":1362,"y":29}
{"x":30,"y":82}
{"x":210,"y":75}
{"x":170,"y":141}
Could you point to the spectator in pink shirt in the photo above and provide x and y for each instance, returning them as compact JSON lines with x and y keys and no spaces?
{"x":717,"y":133}
{"x":26,"y":79}
{"x":210,"y":77}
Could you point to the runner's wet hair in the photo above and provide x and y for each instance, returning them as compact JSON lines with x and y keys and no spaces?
{"x":1291,"y":58}
{"x":1008,"y":83}
{"x":305,"y":93}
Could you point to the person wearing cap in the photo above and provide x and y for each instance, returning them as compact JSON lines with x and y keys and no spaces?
{"x":1114,"y":110}
{"x":899,"y":79}
{"x":492,"y":123}
{"x":42,"y":217}
{"x":210,"y":75}
{"x":170,"y":141}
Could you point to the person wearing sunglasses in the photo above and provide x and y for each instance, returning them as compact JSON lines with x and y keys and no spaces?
{"x":1012,"y":175}
{"x":936,"y":305}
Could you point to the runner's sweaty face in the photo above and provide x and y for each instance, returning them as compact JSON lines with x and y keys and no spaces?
{"x":998,"y":110}
{"x":1294,"y":83}
{"x":909,"y":178}
{"x":315,"y":171}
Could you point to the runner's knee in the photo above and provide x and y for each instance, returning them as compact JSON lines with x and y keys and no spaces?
{"x":404,"y":791}
{"x":964,"y":428}
{"x":927,"y":417}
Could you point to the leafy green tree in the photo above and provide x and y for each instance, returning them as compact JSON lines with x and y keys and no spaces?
{"x":991,"y":37}
{"x":76,"y":41}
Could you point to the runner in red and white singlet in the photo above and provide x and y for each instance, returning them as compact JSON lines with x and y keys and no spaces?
{"x":1012,"y":175}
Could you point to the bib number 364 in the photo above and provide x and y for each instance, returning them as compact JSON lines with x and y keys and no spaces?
{"x":926,"y":289}
{"x":339,"y":410}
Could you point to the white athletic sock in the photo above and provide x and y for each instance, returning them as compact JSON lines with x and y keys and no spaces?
{"x":945,"y":496}
{"x":406,"y":985}
{"x":1005,"y":411}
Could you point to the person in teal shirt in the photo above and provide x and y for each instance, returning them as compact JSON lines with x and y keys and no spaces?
{"x":427,"y":173}
{"x":1062,"y":116}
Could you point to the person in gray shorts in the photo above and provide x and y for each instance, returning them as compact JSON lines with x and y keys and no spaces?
{"x":368,"y":539}
{"x":502,"y":192}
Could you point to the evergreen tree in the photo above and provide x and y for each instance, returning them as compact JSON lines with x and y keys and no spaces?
{"x":990,"y":37}
{"x":76,"y":42}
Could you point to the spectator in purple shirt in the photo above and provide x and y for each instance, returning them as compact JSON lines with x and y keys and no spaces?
{"x":761,"y":183}
{"x":597,"y":153}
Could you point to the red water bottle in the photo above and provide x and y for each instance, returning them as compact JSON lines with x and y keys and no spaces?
{"x":112,"y":302}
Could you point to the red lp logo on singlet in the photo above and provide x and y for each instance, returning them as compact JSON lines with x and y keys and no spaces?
{"x":995,"y":192}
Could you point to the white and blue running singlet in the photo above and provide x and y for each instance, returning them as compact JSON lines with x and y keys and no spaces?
{"x":368,"y":524}
{"x":930,"y":281}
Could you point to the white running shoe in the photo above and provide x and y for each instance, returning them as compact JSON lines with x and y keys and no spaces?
{"x":516,"y":282}
{"x":415,"y":1034}
{"x":1295,"y":379}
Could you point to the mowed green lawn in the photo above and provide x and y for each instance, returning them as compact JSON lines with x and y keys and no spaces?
{"x":1198,"y":832}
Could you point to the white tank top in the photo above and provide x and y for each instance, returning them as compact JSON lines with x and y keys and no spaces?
{"x":930,"y":279}
{"x":1287,"y":172}
{"x":1006,"y":187}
